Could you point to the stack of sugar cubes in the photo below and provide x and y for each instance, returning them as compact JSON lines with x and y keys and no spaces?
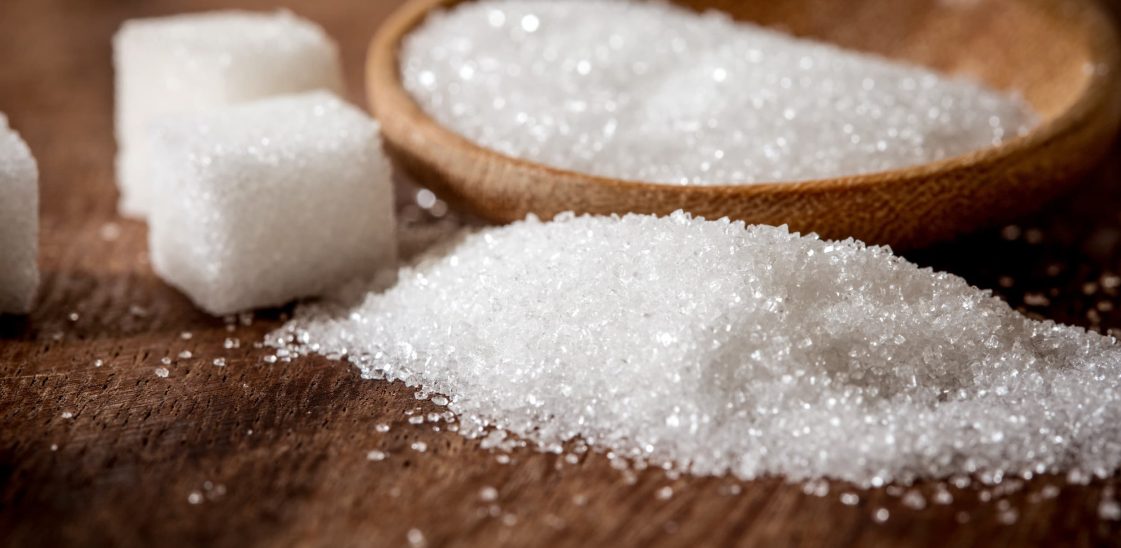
{"x":259,"y":184}
{"x":19,"y":223}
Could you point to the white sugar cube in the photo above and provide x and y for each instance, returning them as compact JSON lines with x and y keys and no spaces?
{"x":19,"y":223}
{"x":200,"y":61}
{"x":262,"y":203}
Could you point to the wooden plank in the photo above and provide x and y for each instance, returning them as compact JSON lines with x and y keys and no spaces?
{"x":287,"y":442}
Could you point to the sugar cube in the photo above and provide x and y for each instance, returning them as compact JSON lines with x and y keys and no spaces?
{"x":199,"y":61}
{"x":19,"y":223}
{"x":261,"y":203}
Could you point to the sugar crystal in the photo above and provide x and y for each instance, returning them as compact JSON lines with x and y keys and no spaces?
{"x":415,"y":538}
{"x":488,"y":494}
{"x":881,"y":515}
{"x":1109,"y":509}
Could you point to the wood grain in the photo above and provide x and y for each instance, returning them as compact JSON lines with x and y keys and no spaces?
{"x":907,"y":207}
{"x":288,"y":441}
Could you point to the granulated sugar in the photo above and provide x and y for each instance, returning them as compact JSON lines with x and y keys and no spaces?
{"x":648,"y":91}
{"x":714,"y":347}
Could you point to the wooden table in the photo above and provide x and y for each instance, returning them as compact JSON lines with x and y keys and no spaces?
{"x":254,"y":453}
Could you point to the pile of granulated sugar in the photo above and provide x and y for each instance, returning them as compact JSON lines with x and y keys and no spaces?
{"x":713,"y":347}
{"x":653,"y":92}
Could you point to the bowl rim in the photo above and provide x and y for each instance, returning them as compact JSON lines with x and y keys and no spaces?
{"x":385,"y":86}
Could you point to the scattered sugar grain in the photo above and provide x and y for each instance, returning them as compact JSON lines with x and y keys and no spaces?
{"x":817,"y":488}
{"x":67,"y":415}
{"x":419,"y":446}
{"x":731,"y":489}
{"x":425,"y":198}
{"x":1109,"y":509}
{"x":1036,"y":299}
{"x":376,"y":455}
{"x":1006,"y":514}
{"x":162,"y":372}
{"x":219,"y":362}
{"x":942,"y":496}
{"x":488,"y":494}
{"x":381,"y":427}
{"x":185,"y":355}
{"x":415,"y":538}
{"x":213,"y":490}
{"x":665,"y":493}
{"x":881,"y":515}
{"x":914,"y":500}
{"x":654,"y":92}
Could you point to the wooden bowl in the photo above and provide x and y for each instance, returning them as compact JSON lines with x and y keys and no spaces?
{"x":1062,"y":55}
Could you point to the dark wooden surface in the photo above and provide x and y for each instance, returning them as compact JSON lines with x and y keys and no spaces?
{"x":277,"y":452}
